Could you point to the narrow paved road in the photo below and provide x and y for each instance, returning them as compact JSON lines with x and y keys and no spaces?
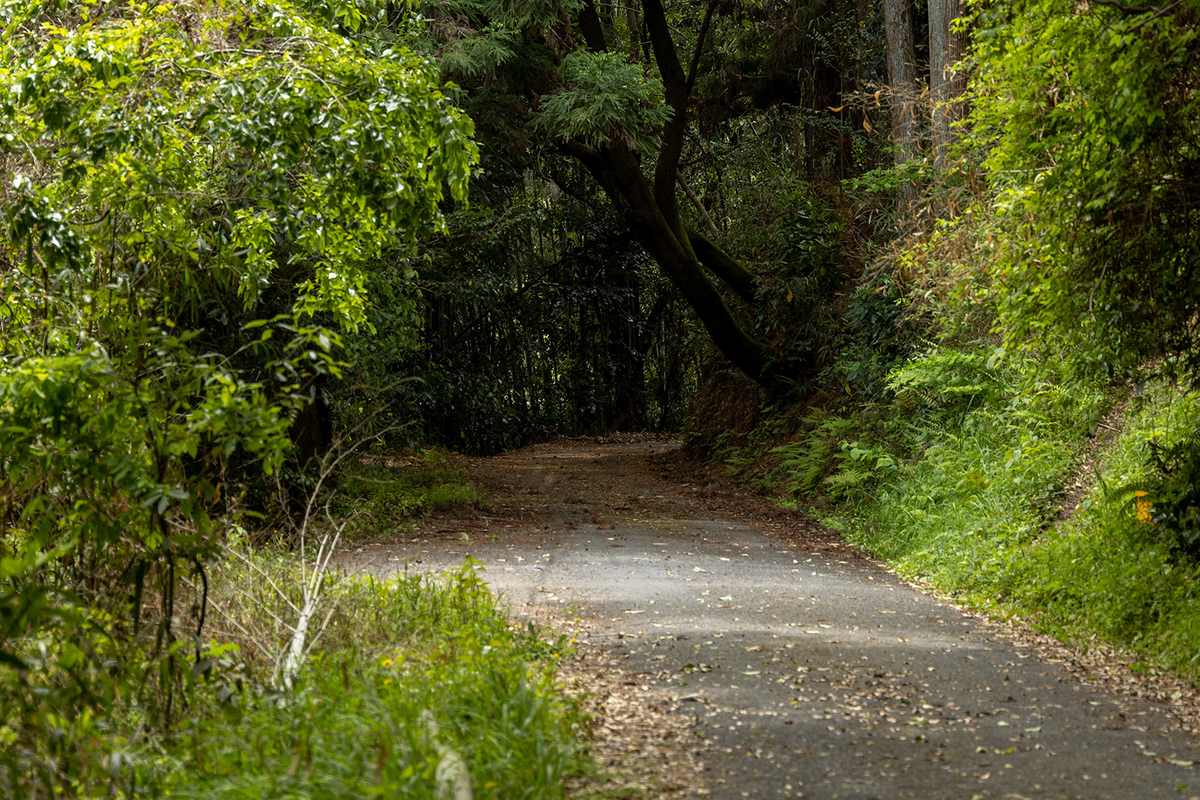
{"x":809,"y":672}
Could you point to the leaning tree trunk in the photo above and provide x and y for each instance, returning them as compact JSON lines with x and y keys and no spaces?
{"x":902,"y":72}
{"x":649,"y":205}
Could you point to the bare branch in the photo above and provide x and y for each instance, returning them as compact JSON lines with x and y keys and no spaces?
{"x":692,"y":67}
{"x":231,"y":620}
{"x":255,"y":568}
{"x":696,"y":202}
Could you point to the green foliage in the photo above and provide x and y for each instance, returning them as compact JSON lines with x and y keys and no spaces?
{"x":197,"y":194}
{"x":541,"y":318}
{"x":950,"y":378}
{"x":1105,"y":571}
{"x":380,"y":494}
{"x":805,"y":463}
{"x":479,"y":55}
{"x":864,"y":465}
{"x":1160,"y":473}
{"x":758,"y":135}
{"x":875,"y":333}
{"x":800,"y":260}
{"x":605,"y":97}
{"x":392,"y":651}
{"x":975,"y":506}
{"x":525,"y":15}
{"x":1088,"y":118}
{"x":786,"y":229}
{"x":1175,"y":489}
{"x":240,"y":164}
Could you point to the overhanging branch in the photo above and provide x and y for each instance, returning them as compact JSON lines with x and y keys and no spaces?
{"x":675,"y":86}
{"x":731,"y":273}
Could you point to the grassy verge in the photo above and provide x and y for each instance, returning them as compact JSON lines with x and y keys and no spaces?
{"x":404,"y":669}
{"x":385,"y":494}
{"x":399,"y":673}
{"x":960,"y":480}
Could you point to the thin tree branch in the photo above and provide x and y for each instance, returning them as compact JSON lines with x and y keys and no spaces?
{"x":254,"y":567}
{"x":708,"y":15}
{"x":731,"y":273}
{"x":696,"y":202}
{"x":230,"y":619}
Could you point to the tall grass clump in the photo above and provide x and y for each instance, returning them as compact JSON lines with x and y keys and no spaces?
{"x":401,"y":676}
{"x":384,"y":493}
{"x":975,"y":452}
{"x":407,"y":667}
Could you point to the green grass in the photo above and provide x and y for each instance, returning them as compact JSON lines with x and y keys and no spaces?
{"x":1107,"y":572}
{"x":958,"y":481}
{"x":384,"y":494}
{"x":387,"y":654}
{"x":975,"y":517}
{"x":394,"y":650}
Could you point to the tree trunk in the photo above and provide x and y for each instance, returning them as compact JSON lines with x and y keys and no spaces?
{"x":627,"y":187}
{"x":898,"y":24}
{"x":312,"y":430}
{"x":626,"y":394}
{"x":946,"y":48}
{"x":650,"y":206}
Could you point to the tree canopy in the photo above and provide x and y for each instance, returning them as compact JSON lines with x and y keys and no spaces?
{"x":617,"y":93}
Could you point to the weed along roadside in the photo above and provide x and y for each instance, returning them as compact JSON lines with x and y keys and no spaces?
{"x":1015,"y":491}
{"x":418,"y":685}
{"x":783,"y":661}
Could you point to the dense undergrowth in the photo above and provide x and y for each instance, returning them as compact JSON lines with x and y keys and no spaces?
{"x":395,"y":655}
{"x":397,"y":672}
{"x":1011,"y":485}
{"x":405,"y":668}
{"x":384,"y":494}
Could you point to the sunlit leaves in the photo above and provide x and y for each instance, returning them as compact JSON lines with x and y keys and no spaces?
{"x":173,"y":133}
{"x":172,"y":173}
{"x":1089,"y":117}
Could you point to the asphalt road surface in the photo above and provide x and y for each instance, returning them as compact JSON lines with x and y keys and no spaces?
{"x":810,"y":676}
